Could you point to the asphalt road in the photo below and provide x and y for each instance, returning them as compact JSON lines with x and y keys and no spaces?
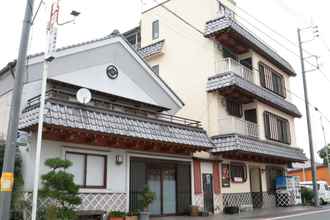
{"x":323,"y":214}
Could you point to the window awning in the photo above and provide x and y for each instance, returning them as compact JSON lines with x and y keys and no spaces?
{"x":236,"y":145}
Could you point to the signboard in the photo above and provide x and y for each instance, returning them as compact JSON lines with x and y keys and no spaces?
{"x":225,"y":179}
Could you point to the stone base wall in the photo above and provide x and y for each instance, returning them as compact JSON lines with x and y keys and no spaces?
{"x":249,"y":200}
{"x":198,"y":200}
{"x":89,"y":201}
{"x":218,"y":203}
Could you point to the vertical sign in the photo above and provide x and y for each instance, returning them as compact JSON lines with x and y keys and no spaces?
{"x":225,"y":175}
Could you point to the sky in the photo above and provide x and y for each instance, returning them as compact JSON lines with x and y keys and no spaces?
{"x":100,"y":17}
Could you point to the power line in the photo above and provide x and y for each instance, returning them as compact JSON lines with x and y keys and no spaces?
{"x":35,"y":15}
{"x":202,"y":33}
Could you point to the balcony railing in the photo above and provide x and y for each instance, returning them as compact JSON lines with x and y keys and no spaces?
{"x":231,"y":65}
{"x":233,"y":125}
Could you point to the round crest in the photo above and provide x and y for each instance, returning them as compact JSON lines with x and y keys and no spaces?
{"x":84,"y":96}
{"x":112,"y":72}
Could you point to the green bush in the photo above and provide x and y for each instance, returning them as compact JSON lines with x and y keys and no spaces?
{"x":307,"y":195}
{"x":59,"y":187}
{"x":117,"y":214}
{"x":148,"y":197}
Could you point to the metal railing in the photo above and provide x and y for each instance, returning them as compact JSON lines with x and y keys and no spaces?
{"x":233,"y":124}
{"x":105,"y":103}
{"x":231,"y":65}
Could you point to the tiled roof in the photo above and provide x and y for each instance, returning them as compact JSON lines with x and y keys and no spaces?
{"x":152,"y":49}
{"x":235,"y":142}
{"x":116,"y":123}
{"x":223,"y":80}
{"x":226,"y":22}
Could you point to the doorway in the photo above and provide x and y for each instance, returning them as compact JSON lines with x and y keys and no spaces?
{"x":169,"y":180}
{"x":208,"y":192}
{"x":256,"y":187}
{"x":162,"y":182}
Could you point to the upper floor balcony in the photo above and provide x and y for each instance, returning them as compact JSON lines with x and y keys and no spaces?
{"x":236,"y":81}
{"x":234,"y":125}
{"x":227,"y":30}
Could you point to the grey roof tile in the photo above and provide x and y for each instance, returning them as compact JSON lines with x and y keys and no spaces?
{"x":152,"y":49}
{"x":227,"y":22}
{"x":236,"y":142}
{"x":223,"y":80}
{"x":74,"y":116}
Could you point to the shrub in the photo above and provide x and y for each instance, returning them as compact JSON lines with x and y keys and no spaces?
{"x":59,"y":187}
{"x":148,"y":197}
{"x":117,"y":214}
{"x":307,"y":195}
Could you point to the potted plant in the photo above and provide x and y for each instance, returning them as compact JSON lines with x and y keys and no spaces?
{"x":116,"y":215}
{"x":148,"y":197}
{"x":132,"y":215}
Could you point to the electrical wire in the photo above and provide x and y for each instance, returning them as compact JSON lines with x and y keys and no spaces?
{"x":35,"y":15}
{"x":201,"y":32}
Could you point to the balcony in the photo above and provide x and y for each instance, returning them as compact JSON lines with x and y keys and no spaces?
{"x":231,"y":65}
{"x":227,"y":30}
{"x":234,"y":125}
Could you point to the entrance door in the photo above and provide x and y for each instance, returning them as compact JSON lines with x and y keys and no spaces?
{"x":162,"y":182}
{"x":208,"y":192}
{"x":256,"y":187}
{"x":154,"y":183}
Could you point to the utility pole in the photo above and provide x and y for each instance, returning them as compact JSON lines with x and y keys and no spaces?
{"x":7,"y":178}
{"x":51,"y":33}
{"x":309,"y":126}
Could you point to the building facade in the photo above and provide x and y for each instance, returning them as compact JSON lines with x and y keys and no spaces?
{"x":125,"y":138}
{"x":236,"y":85}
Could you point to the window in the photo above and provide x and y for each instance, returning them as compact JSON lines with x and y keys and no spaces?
{"x":89,"y":170}
{"x":227,"y":53}
{"x":155,"y":68}
{"x":234,"y":108}
{"x":271,"y":174}
{"x":155,"y":30}
{"x":271,"y":80}
{"x":238,"y":172}
{"x":277,"y":128}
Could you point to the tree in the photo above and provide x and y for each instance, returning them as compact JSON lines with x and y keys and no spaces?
{"x":17,"y":201}
{"x":59,"y":187}
{"x":323,"y":154}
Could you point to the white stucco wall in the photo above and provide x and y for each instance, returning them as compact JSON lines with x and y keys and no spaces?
{"x":116,"y":174}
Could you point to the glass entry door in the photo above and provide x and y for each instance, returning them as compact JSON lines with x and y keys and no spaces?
{"x":162,"y":182}
{"x":154,"y":183}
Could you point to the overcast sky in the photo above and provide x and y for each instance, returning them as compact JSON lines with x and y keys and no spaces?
{"x":100,"y":17}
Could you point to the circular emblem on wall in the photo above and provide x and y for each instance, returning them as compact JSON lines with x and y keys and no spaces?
{"x":112,"y":72}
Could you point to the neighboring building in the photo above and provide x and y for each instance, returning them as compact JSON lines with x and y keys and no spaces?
{"x":125,"y":138}
{"x":305,"y":173}
{"x":236,"y":85}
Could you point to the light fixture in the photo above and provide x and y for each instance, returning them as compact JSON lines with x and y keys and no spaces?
{"x":119,"y":159}
{"x":75,"y":13}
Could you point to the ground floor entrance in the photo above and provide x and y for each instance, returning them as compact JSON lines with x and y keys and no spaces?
{"x":169,"y":180}
{"x":256,"y":187}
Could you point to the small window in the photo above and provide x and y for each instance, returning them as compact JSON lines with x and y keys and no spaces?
{"x":234,"y":108}
{"x":89,"y":170}
{"x":155,"y":68}
{"x":272,"y":80}
{"x":155,"y":30}
{"x":277,"y":128}
{"x":238,"y":173}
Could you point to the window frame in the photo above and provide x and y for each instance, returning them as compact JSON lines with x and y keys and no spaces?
{"x":279,"y":127}
{"x":155,"y":30}
{"x":231,"y":108}
{"x":86,"y":154}
{"x":275,"y":78}
{"x":242,"y":166}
